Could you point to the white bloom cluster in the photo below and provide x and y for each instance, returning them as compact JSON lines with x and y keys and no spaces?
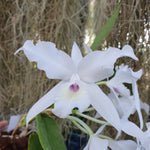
{"x":78,"y":89}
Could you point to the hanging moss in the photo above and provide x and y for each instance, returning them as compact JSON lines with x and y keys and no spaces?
{"x":61,"y":22}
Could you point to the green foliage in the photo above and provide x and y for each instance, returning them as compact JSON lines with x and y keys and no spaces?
{"x":48,"y":132}
{"x":22,"y":120}
{"x":106,"y":29}
{"x":34,"y":143}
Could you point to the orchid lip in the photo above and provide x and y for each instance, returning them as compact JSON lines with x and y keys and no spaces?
{"x":74,"y":87}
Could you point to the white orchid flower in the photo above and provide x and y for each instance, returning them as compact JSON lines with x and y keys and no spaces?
{"x":78,"y":75}
{"x":147,"y":132}
{"x":129,"y":145}
{"x":143,"y":142}
{"x":123,"y":75}
{"x":123,"y":145}
{"x":126,"y":105}
{"x":126,"y":75}
{"x":95,"y":142}
{"x":145,"y":145}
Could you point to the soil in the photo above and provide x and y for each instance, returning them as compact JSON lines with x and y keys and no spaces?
{"x":9,"y":142}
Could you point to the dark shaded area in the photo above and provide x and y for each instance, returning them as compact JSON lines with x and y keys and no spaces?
{"x":76,"y":141}
{"x":7,"y":143}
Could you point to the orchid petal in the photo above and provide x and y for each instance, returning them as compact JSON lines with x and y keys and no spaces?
{"x":147,"y":132}
{"x":148,"y":125}
{"x":145,"y":107}
{"x":56,"y":63}
{"x":98,"y":143}
{"x":88,"y":49}
{"x":137,"y":103}
{"x":121,"y":90}
{"x":146,"y":145}
{"x":117,"y":103}
{"x":129,"y":52}
{"x":132,"y":129}
{"x":104,"y":106}
{"x":13,"y":122}
{"x":44,"y":102}
{"x":128,"y":106}
{"x":123,"y":145}
{"x":98,"y":65}
{"x":126,"y":75}
{"x":76,"y":54}
{"x":95,"y":143}
{"x":123,"y":75}
{"x":136,"y":76}
{"x":124,"y":105}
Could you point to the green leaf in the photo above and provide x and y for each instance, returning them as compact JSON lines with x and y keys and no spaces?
{"x":34,"y":143}
{"x":48,"y":132}
{"x":22,"y":120}
{"x":106,"y":29}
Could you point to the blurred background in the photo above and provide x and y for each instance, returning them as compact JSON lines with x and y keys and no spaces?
{"x":63,"y":22}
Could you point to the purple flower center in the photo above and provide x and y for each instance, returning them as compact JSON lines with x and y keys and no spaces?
{"x":74,"y":87}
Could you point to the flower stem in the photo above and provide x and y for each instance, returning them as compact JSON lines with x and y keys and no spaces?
{"x":78,"y":126}
{"x":84,"y":125}
{"x":101,"y":83}
{"x":105,"y":137}
{"x":76,"y":112}
{"x":89,"y":109}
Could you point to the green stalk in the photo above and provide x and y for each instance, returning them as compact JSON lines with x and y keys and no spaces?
{"x":89,"y":109}
{"x":105,"y":137}
{"x":101,"y":83}
{"x":76,"y":112}
{"x":78,"y":126}
{"x":86,"y":127}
